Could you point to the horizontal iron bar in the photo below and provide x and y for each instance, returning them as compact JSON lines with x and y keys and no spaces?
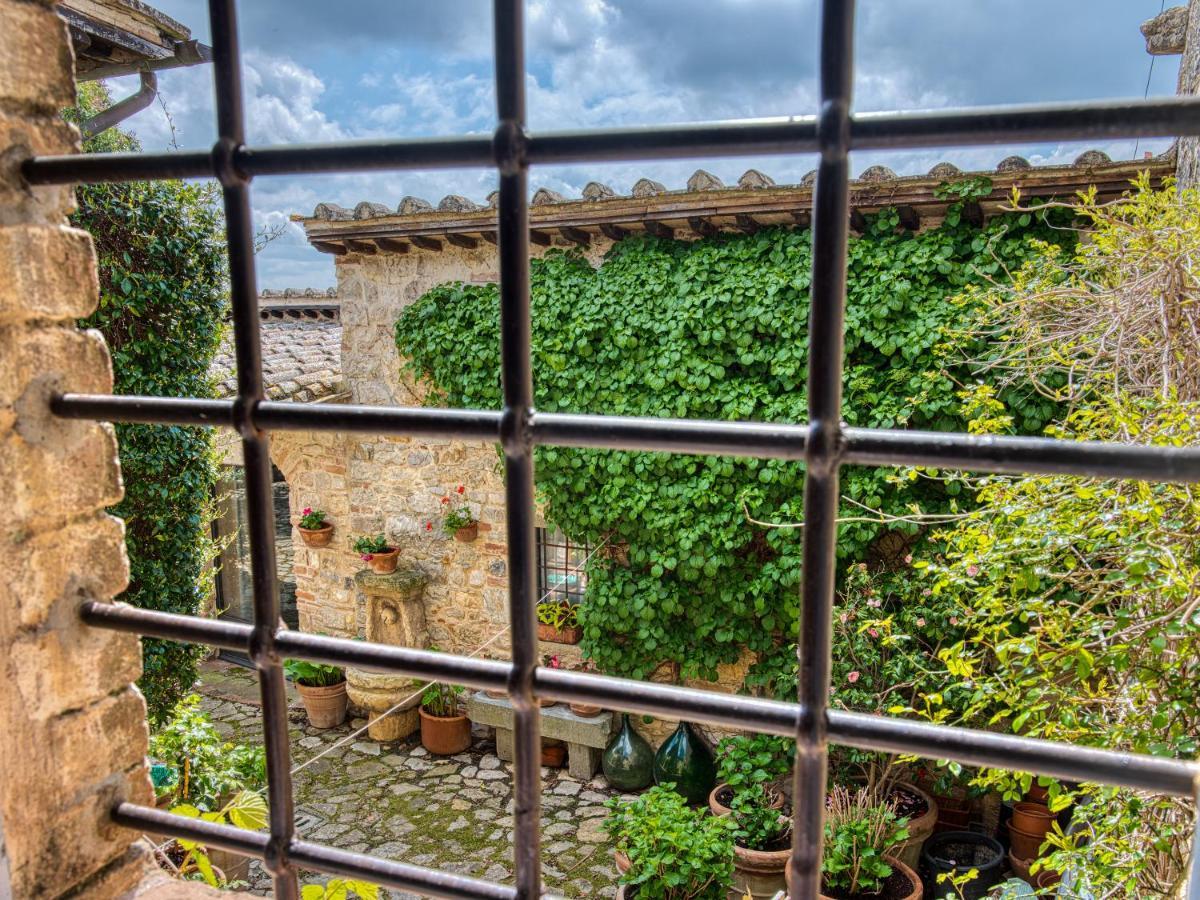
{"x":862,"y":446}
{"x":1028,"y":123}
{"x":867,"y":732}
{"x":747,"y":137}
{"x":308,"y":855}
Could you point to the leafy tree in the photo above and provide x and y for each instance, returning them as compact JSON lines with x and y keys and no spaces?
{"x":162,"y":303}
{"x":717,"y":329}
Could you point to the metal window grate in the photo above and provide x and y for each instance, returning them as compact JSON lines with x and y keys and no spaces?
{"x":561,"y":574}
{"x":823,"y":444}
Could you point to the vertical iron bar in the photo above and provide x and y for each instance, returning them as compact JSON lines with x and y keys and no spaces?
{"x":830,"y":225}
{"x":256,"y":452}
{"x":516,"y":436}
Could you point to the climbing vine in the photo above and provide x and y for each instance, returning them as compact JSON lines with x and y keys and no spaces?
{"x":162,"y":302}
{"x":717,"y":329}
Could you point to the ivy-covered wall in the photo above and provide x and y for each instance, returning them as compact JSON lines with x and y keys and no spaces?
{"x":717,"y":329}
{"x":161,"y":259}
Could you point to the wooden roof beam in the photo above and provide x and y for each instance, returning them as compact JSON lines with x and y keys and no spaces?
{"x":910,"y":219}
{"x":541,"y":238}
{"x":658,"y":229}
{"x":576,"y":236}
{"x":747,"y":224}
{"x":331,"y":247}
{"x":858,"y":222}
{"x":425,"y":243}
{"x":461,"y":240}
{"x":391,"y":245}
{"x":703,"y":226}
{"x":366,"y":248}
{"x":613,"y":232}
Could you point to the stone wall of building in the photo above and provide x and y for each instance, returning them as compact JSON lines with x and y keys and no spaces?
{"x":395,"y":485}
{"x":73,"y":731}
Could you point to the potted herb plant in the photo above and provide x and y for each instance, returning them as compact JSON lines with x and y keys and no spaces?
{"x":749,"y":761}
{"x":667,"y":850}
{"x":860,"y":834}
{"x":762,"y":843}
{"x":444,"y":729}
{"x":377,"y":553}
{"x":558,"y":622}
{"x":314,"y":530}
{"x":322,"y":690}
{"x":458,"y":520}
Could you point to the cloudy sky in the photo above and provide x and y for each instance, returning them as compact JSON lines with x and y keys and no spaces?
{"x":323,"y":71}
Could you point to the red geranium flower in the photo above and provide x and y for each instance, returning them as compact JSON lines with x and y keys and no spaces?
{"x":461,"y":488}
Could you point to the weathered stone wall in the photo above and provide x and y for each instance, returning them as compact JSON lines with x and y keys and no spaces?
{"x":72,"y":725}
{"x":396,"y":484}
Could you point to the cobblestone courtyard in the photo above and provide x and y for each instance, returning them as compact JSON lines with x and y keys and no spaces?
{"x":399,"y":802}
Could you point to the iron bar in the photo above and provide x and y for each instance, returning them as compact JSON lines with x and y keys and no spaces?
{"x":516,"y":369}
{"x":866,"y":732}
{"x":830,"y":237}
{"x":256,"y":451}
{"x":318,"y":857}
{"x":859,"y":446}
{"x":1024,"y":123}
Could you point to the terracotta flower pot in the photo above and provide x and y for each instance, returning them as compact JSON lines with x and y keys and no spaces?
{"x":316,"y":537}
{"x":717,"y":808}
{"x":467,"y":533}
{"x":384,"y":563}
{"x":759,"y":873}
{"x":1037,"y":793}
{"x":445,"y":735}
{"x":919,"y":827}
{"x":326,"y":706}
{"x":572,"y":635}
{"x":1032,"y":818}
{"x":554,"y":757}
{"x":497,"y":695}
{"x":586,"y":710}
{"x":1020,"y":867}
{"x":916,"y":893}
{"x":1025,"y":844}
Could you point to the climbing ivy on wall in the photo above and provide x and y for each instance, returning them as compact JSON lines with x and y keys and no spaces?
{"x":717,"y":329}
{"x":162,"y":303}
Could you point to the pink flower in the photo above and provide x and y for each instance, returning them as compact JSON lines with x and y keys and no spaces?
{"x":872,"y":632}
{"x":908,"y":559}
{"x":367,"y":557}
{"x":844,"y":617}
{"x":954,"y":620}
{"x":307,"y":510}
{"x":920,"y":621}
{"x":852,"y":677}
{"x":972,"y":571}
{"x":875,"y":604}
{"x":926,"y":592}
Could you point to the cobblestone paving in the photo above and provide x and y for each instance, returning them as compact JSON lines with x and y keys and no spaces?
{"x":399,"y":802}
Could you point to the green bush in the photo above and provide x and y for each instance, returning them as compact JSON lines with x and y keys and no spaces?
{"x":717,"y":329}
{"x":162,"y":303}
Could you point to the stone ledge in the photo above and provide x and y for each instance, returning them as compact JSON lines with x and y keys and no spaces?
{"x":558,"y":722}
{"x":402,"y":581}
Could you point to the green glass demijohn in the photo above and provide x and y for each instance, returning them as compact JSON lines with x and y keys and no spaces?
{"x":628,"y":760}
{"x":686,"y":760}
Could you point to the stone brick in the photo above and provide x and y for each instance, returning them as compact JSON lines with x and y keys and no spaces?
{"x":39,"y":71}
{"x":46,"y":272}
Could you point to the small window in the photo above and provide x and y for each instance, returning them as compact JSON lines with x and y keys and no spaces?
{"x":561,"y":574}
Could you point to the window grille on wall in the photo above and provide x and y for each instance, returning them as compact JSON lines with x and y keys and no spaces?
{"x":561,"y":570}
{"x":822,"y":443}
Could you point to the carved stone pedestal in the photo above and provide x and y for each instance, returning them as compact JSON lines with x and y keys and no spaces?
{"x":395,"y":614}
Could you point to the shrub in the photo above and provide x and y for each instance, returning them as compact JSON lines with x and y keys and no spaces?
{"x":717,"y":329}
{"x":675,"y":852}
{"x":159,"y":246}
{"x":858,"y":834}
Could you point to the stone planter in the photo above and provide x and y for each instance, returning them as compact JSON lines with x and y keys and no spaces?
{"x":572,"y":635}
{"x":467,"y":533}
{"x":383,"y":563}
{"x":445,"y":735}
{"x":316,"y":537}
{"x":325,"y":705}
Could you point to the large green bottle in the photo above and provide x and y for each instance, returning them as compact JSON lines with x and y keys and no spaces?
{"x":628,"y":760}
{"x":686,"y":760}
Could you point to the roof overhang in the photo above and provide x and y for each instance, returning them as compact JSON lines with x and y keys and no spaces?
{"x":755,"y":203}
{"x":123,"y":37}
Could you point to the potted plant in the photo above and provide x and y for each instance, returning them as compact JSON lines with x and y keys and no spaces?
{"x":550,"y":662}
{"x":666,"y":850}
{"x":860,"y":834}
{"x":749,"y":761}
{"x":762,"y":842}
{"x":458,"y":520}
{"x":558,"y":622}
{"x":215,"y":866}
{"x":377,"y":553}
{"x":322,"y":690}
{"x":444,"y":729}
{"x":314,"y":530}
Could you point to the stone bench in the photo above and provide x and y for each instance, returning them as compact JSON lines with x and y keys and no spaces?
{"x":585,"y":737}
